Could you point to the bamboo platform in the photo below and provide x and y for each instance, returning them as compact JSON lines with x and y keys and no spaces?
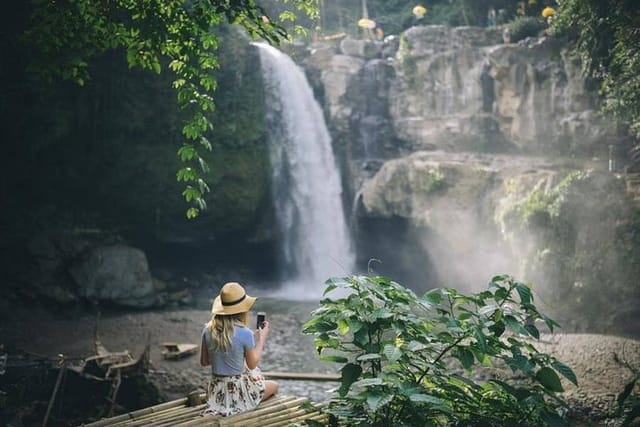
{"x":185,"y":412}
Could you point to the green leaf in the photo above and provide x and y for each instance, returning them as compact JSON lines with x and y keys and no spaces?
{"x":549,"y":379}
{"x":334,"y":358}
{"x":350,"y":374}
{"x":343,"y":326}
{"x":416,"y":346}
{"x":425,"y":398}
{"x":506,"y":387}
{"x":515,"y":326}
{"x":361,"y":337}
{"x":368,"y":357}
{"x":392,"y":353}
{"x":432,"y":298}
{"x":524,"y":292}
{"x":497,"y":329}
{"x":192,"y":213}
{"x":367,"y":382}
{"x":566,"y":371}
{"x":375,"y":401}
{"x":532,"y":330}
{"x":480,"y":338}
{"x":521,"y":362}
{"x":465,"y":357}
{"x":187,"y":152}
{"x":488,"y":309}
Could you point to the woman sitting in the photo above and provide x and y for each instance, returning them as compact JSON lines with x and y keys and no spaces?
{"x":234,"y":351}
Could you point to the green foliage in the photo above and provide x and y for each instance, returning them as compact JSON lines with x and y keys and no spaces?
{"x":525,"y":26}
{"x":67,"y":35}
{"x":413,"y":360}
{"x":608,"y":41}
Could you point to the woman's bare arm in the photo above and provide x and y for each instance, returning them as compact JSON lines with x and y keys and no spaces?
{"x":252,"y":356}
{"x":204,"y":353}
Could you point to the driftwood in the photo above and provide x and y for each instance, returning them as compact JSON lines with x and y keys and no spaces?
{"x":174,"y":351}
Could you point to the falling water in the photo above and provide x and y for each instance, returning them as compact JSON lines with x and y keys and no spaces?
{"x":306,"y":183}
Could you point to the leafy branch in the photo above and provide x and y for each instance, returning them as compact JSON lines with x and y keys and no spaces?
{"x":412,"y":360}
{"x":171,"y":34}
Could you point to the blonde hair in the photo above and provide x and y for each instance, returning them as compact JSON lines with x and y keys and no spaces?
{"x":222,"y":328}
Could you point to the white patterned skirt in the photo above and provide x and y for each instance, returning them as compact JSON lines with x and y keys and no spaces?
{"x":234,"y":394}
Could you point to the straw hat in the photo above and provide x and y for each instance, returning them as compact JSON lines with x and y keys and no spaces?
{"x":232,"y":300}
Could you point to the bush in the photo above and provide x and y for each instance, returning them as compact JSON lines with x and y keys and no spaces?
{"x":525,"y":26}
{"x":409,"y":360}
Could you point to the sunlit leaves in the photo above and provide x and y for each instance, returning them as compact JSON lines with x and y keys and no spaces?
{"x":400,"y":352}
{"x":187,"y":152}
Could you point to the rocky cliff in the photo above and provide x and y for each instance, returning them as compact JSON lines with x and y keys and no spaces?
{"x":465,"y":156}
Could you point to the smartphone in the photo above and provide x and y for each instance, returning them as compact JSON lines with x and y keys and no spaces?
{"x":261,"y":317}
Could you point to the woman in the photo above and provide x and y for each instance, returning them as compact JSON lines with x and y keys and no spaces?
{"x":234,"y":351}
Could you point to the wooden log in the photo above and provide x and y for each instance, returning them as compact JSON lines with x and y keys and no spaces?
{"x":304,"y":376}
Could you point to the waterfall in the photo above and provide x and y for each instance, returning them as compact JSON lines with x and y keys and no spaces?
{"x":307,"y":190}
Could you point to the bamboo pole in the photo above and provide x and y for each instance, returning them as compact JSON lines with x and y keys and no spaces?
{"x":209,"y":420}
{"x":260,"y":419}
{"x":140,"y":420}
{"x":305,"y":376}
{"x":300,"y":414}
{"x":275,"y":419}
{"x":176,"y":419}
{"x":137,"y":414}
{"x":259,"y":412}
{"x":63,"y":369}
{"x":297,"y":419}
{"x":163,"y":416}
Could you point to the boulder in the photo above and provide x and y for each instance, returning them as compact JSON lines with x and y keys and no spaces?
{"x":118,"y":274}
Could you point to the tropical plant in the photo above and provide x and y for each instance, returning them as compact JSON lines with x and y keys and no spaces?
{"x":628,"y":402}
{"x":419,"y":360}
{"x":525,"y":26}
{"x":607,"y":39}
{"x":175,"y":34}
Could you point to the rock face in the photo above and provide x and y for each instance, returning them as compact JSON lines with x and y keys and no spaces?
{"x":468,"y":157}
{"x":463,"y":89}
{"x":118,"y":273}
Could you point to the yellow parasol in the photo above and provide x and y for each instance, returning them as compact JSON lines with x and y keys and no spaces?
{"x":419,"y":11}
{"x":366,"y":23}
{"x":548,"y":12}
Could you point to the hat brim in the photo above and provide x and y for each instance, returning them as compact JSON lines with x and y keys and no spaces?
{"x":241,"y":307}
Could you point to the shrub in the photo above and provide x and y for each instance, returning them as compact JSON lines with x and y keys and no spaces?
{"x":410,"y":360}
{"x":525,"y":26}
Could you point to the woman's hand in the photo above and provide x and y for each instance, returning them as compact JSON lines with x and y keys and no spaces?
{"x":261,"y":333}
{"x":253,"y":355}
